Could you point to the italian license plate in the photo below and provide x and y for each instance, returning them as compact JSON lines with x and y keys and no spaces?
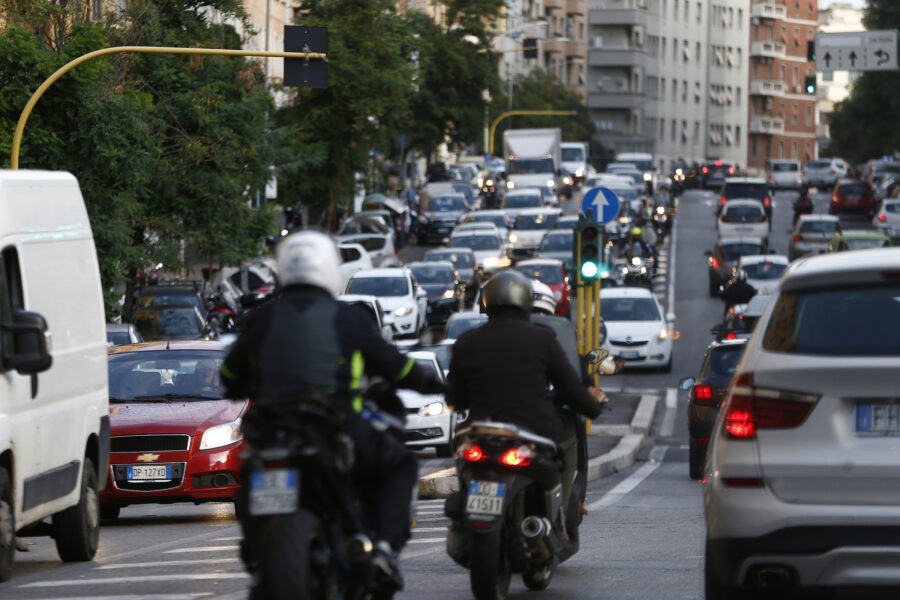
{"x":485,"y":498}
{"x":443,"y":230}
{"x":629,"y":354}
{"x":148,"y":472}
{"x":877,"y":419}
{"x":274,"y":491}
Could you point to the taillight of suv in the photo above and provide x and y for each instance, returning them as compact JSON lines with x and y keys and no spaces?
{"x":750,"y":408}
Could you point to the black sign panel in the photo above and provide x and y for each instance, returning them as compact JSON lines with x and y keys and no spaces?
{"x":299,"y":72}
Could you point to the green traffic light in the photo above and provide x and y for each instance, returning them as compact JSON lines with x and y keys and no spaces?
{"x":589,"y":270}
{"x":810,"y":89}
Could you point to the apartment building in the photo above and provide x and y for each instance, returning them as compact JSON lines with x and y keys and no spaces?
{"x":834,"y":86}
{"x":782,"y":115}
{"x":565,"y":47}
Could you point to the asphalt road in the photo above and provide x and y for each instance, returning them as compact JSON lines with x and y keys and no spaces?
{"x":642,"y":538}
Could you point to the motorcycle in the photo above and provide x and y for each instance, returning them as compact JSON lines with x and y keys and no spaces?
{"x":803,"y":205}
{"x":311,"y":535}
{"x":636,"y":272}
{"x":661,"y":223}
{"x":222,"y":318}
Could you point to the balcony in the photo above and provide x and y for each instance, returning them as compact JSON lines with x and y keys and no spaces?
{"x":555,"y":4}
{"x":768,"y":10}
{"x":763,"y":87}
{"x":822,"y":131}
{"x":617,"y":16}
{"x":767,"y":125}
{"x":767,"y":49}
{"x":566,"y":47}
{"x":616,"y":100}
{"x":616,"y":57}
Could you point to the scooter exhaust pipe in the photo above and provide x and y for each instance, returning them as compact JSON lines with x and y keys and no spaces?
{"x":535,"y":527}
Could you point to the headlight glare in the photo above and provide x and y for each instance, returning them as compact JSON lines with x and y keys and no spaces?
{"x":431,"y":410}
{"x":403,"y":311}
{"x":221,"y":435}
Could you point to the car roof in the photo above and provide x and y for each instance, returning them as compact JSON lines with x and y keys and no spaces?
{"x":381,"y":272}
{"x":762,"y":258}
{"x":741,"y":240}
{"x":483,"y":231}
{"x":448,"y":251}
{"x":851,"y":181}
{"x":431,"y":264}
{"x":862,"y":234}
{"x":560,"y":232}
{"x":626,"y":292}
{"x":350,"y":237}
{"x":539,"y":261}
{"x":727,"y":343}
{"x":422,"y":354}
{"x":526,"y":191}
{"x":759,"y":180}
{"x":172,"y":345}
{"x":448,"y":195}
{"x":843,"y":268}
{"x":160,"y":308}
{"x":784,"y":160}
{"x":819,"y":218}
{"x":118,"y":327}
{"x":539,"y":211}
{"x":490,"y":212}
{"x":743,"y":202}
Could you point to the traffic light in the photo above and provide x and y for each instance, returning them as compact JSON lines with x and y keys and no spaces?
{"x":810,"y":84}
{"x":529,"y":48}
{"x":590,"y":241}
{"x":811,"y":50}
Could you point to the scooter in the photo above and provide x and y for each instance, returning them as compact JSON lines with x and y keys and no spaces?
{"x":803,"y":205}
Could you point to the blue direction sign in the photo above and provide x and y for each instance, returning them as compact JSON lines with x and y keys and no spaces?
{"x":603,"y":201}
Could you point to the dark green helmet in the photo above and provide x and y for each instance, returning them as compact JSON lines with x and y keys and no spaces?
{"x":509,"y":288}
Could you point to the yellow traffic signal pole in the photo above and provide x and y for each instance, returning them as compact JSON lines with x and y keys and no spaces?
{"x":523,"y":112}
{"x":26,"y":112}
{"x":595,"y":321}
{"x":579,"y":297}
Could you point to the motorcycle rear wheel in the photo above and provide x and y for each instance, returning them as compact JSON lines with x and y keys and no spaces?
{"x":538,"y":580}
{"x":491,"y":571}
{"x":284,"y":562}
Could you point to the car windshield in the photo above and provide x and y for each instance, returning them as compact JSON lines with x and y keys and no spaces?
{"x":460,"y":260}
{"x":524,"y":201}
{"x":825,"y":227}
{"x":117,"y":338}
{"x":640,"y":165}
{"x":764,"y":270}
{"x":557,"y":242}
{"x":432,"y":274}
{"x":442,"y":352}
{"x":371,"y":244}
{"x":882,"y":168}
{"x":457,"y":327}
{"x":475,"y":242}
{"x":535,"y":221}
{"x":785,"y":167}
{"x":530,"y":166}
{"x":624,"y":194}
{"x":818,"y":164}
{"x":743,"y":213}
{"x":724,"y":359}
{"x":165,"y":376}
{"x":635,"y":176}
{"x":498,"y":220}
{"x":363,"y":225}
{"x":446,"y":204}
{"x":168,"y":324}
{"x":629,"y":309}
{"x":858,"y":321}
{"x":720,"y":169}
{"x":182,"y":299}
{"x":549,"y":274}
{"x":758,"y":191}
{"x":892,"y":207}
{"x":866,"y":242}
{"x":378,"y":286}
{"x":429,"y":366}
{"x":735,"y":251}
{"x":853,"y":189}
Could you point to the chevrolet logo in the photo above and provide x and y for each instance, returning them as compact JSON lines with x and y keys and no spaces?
{"x":148,"y":457}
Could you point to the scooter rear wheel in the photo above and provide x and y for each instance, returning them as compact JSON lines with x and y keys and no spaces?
{"x":285,"y":553}
{"x":538,"y":580}
{"x":491,"y":571}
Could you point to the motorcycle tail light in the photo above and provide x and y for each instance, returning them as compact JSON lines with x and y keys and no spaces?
{"x":715,"y":262}
{"x":766,"y":201}
{"x":517,"y":457}
{"x":472,"y":453}
{"x":723,"y":199}
{"x":750,"y":408}
{"x":798,"y":238}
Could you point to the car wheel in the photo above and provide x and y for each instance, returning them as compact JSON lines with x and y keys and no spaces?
{"x":696,"y":460}
{"x":110,"y":511}
{"x":7,"y":527}
{"x":77,"y":529}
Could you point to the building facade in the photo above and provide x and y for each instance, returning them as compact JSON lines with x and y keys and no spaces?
{"x":565,"y":45}
{"x":782,"y":115}
{"x":834,"y":86}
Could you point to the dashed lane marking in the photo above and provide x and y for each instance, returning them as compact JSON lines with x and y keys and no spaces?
{"x":137,"y":579}
{"x":164,"y":563}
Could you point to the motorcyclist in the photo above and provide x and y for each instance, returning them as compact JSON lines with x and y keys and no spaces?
{"x":803,"y":205}
{"x":501,"y":371}
{"x":306,"y":342}
{"x":738,"y":292}
{"x":637,"y":240}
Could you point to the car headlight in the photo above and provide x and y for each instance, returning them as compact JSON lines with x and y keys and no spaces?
{"x":423,"y":219}
{"x":579,"y":172}
{"x":449,"y":293}
{"x":643,"y":270}
{"x":648,"y":176}
{"x":513,"y":238}
{"x":221,"y":435}
{"x":489,"y":182}
{"x":403,"y":311}
{"x":432,"y":410}
{"x":510,"y":184}
{"x":551,"y":183}
{"x":567,"y":180}
{"x":635,"y":261}
{"x":660,"y":210}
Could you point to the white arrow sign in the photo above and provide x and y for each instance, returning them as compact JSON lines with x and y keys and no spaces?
{"x":857,"y":51}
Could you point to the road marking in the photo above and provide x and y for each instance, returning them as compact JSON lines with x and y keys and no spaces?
{"x":158,"y":547}
{"x":232,"y":538}
{"x":145,"y":597}
{"x":420,"y":553}
{"x":164,"y":563}
{"x":203,"y":549}
{"x":624,"y":487}
{"x":670,"y":302}
{"x":137,"y":579}
{"x":427,"y":540}
{"x":668,"y":423}
{"x":415,"y":529}
{"x":429,"y":512}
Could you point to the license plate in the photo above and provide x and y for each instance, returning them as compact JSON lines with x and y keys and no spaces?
{"x":148,"y":472}
{"x":877,"y":419}
{"x":443,"y":230}
{"x":274,"y":491}
{"x":485,"y":498}
{"x":629,"y":354}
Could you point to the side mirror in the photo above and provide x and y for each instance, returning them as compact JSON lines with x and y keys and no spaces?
{"x":686,"y":384}
{"x":420,"y":293}
{"x":29,"y":351}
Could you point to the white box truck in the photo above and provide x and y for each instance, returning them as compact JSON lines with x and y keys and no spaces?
{"x":575,"y":161}
{"x":532,"y":158}
{"x":54,"y":400}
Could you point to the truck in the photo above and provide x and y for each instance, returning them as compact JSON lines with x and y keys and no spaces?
{"x":532,"y":158}
{"x":575,"y":161}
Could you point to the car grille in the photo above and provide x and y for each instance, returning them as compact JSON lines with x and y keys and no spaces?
{"x":120,"y":474}
{"x":150,"y":443}
{"x":628,"y":343}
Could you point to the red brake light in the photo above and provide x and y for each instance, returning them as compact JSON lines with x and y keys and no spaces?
{"x":762,"y":218}
{"x":723,"y":199}
{"x":725,"y":219}
{"x":767,"y":201}
{"x":715,"y":262}
{"x":718,"y":163}
{"x":750,"y":408}
{"x":703,"y":394}
{"x":516,"y":457}
{"x":882,"y":218}
{"x":770,"y":176}
{"x":731,"y":170}
{"x":798,"y":238}
{"x":473,"y":453}
{"x":705,"y":170}
{"x":731,"y":336}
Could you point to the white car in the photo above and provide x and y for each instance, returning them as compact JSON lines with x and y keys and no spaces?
{"x":887,"y":220}
{"x":399,"y":294}
{"x":353,"y":258}
{"x":516,"y":201}
{"x":380,"y":247}
{"x":529,"y":229}
{"x":743,"y":218}
{"x":824,"y":172}
{"x":784,"y":174}
{"x":429,"y":421}
{"x":636,"y":330}
{"x":802,"y":479}
{"x":383,"y":320}
{"x":478,"y":226}
{"x":497,"y":217}
{"x":488,"y":248}
{"x":763,"y":270}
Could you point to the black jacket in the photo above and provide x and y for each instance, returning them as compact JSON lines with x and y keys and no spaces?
{"x":307,"y":341}
{"x":501,"y":371}
{"x":739,"y":292}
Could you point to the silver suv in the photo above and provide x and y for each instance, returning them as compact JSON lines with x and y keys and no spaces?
{"x":802,"y":480}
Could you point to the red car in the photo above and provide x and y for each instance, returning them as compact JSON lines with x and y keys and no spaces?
{"x":173,"y":437}
{"x":852,"y":195}
{"x":551,"y":273}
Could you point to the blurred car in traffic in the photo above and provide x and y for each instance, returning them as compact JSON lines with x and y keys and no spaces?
{"x":439,"y":215}
{"x":516,"y":201}
{"x":362,"y":224}
{"x":824,"y":172}
{"x":353,"y":258}
{"x":497,"y":217}
{"x":465,"y":263}
{"x":170,"y":323}
{"x":399,"y":294}
{"x":380,"y":247}
{"x":852,"y":196}
{"x":552,"y":273}
{"x":858,"y":239}
{"x":743,"y":217}
{"x":763,"y":270}
{"x":878,"y":169}
{"x":488,"y":248}
{"x":887,"y":219}
{"x":384,"y":320}
{"x":802,"y":478}
{"x":714,"y":173}
{"x":783,"y":174}
{"x":461,"y":322}
{"x":429,"y":421}
{"x":445,"y":291}
{"x":745,"y":188}
{"x":705,"y":395}
{"x":566,"y":222}
{"x":173,"y":437}
{"x":558,"y":244}
{"x":724,"y":257}
{"x":118,"y":334}
{"x":174,"y":293}
{"x":812,"y":235}
{"x":636,"y":329}
{"x":740,"y":319}
{"x":528,"y":230}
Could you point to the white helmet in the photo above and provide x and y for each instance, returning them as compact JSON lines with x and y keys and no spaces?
{"x":310,"y":258}
{"x":543,"y":298}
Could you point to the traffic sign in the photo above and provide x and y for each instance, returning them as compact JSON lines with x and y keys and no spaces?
{"x":603,"y":202}
{"x":857,"y":51}
{"x":300,"y":72}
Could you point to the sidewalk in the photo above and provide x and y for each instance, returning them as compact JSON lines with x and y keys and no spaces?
{"x":614,"y":440}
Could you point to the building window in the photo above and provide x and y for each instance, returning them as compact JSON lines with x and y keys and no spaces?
{"x":697,"y":48}
{"x":684,"y":90}
{"x":687,"y":10}
{"x":737,"y":96}
{"x":794,"y":153}
{"x":809,"y":114}
{"x":674,"y":131}
{"x":674,"y":89}
{"x":780,"y":149}
{"x":752,"y":146}
{"x":662,"y":90}
{"x":675,"y":10}
{"x":674,"y":49}
{"x":737,"y":135}
{"x":699,"y":12}
{"x":740,"y":21}
{"x":662,"y":129}
{"x":662,"y":51}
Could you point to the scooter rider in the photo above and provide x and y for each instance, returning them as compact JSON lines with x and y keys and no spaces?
{"x":501,"y":371}
{"x":738,"y":292}
{"x":306,"y":342}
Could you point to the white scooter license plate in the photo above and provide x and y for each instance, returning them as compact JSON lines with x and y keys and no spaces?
{"x":485,"y":498}
{"x":274,"y":491}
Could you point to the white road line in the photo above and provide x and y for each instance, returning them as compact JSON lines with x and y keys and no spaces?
{"x":158,"y":547}
{"x":232,"y":538}
{"x":415,"y":529}
{"x":429,"y":512}
{"x":668,"y":424}
{"x":164,"y":563}
{"x":624,"y":487}
{"x":434,"y":550}
{"x":670,"y":302}
{"x":427,"y":540}
{"x":136,"y":579}
{"x":143,"y":597}
{"x":203,"y":549}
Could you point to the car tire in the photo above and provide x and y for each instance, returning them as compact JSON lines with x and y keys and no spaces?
{"x":77,"y":529}
{"x":7,"y":527}
{"x":696,"y":459}
{"x":110,"y":511}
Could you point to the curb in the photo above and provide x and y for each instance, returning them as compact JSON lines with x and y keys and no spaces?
{"x":443,"y":483}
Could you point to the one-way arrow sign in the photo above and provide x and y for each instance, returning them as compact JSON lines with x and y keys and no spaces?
{"x":828,"y":59}
{"x":857,"y":51}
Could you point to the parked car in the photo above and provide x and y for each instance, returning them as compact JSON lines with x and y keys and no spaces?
{"x":858,"y":239}
{"x":174,"y":438}
{"x":878,"y":169}
{"x":400,"y":296}
{"x":714,"y":173}
{"x":465,"y":263}
{"x":824,"y":172}
{"x":429,"y":421}
{"x":812,"y":235}
{"x":745,"y":188}
{"x":353,"y":258}
{"x":763,"y":270}
{"x":743,"y":217}
{"x":552,"y":273}
{"x":469,"y":227}
{"x":528,"y":230}
{"x":445,"y":291}
{"x":489,"y":250}
{"x":363,"y":224}
{"x":122,"y":333}
{"x":801,"y":481}
{"x":706,"y":393}
{"x":722,"y":259}
{"x":887,"y":220}
{"x":783,"y":174}
{"x":439,"y":215}
{"x":636,"y":329}
{"x":380,"y":247}
{"x":170,"y":323}
{"x":558,"y":244}
{"x":852,"y":195}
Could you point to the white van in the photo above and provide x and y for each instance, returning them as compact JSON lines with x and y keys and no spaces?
{"x":54,"y":404}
